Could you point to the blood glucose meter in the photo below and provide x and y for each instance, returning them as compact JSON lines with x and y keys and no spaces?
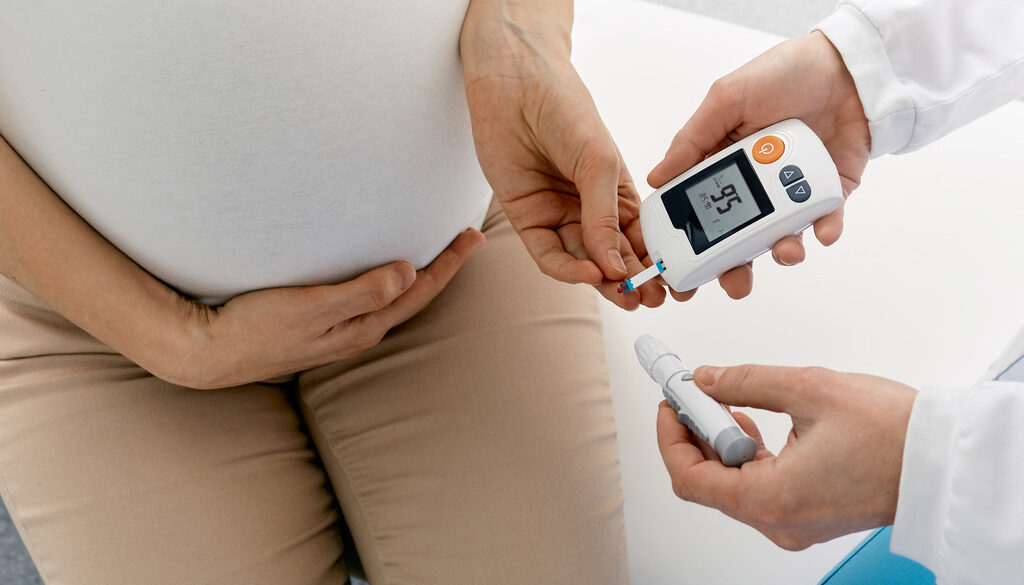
{"x":736,"y":205}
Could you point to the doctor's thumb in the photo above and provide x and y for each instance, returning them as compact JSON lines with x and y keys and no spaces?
{"x":705,"y":133}
{"x":765,"y":387}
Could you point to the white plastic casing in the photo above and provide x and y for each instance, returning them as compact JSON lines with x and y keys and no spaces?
{"x":685,"y":270}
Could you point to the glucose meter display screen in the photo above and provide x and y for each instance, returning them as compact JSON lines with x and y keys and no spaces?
{"x":722,"y":202}
{"x":717,"y":202}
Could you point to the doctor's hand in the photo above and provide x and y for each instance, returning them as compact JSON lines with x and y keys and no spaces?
{"x":838,"y":473}
{"x":803,"y":78}
{"x":545,"y":151}
{"x":277,"y":331}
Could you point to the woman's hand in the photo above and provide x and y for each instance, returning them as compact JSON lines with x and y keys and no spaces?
{"x":803,"y":78}
{"x":838,"y":473}
{"x":545,"y":151}
{"x":271,"y":332}
{"x":253,"y":337}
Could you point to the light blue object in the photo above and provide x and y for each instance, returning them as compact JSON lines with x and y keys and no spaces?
{"x":871,"y":563}
{"x":1014,"y":373}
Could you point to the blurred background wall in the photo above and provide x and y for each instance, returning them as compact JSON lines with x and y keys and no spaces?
{"x":789,"y":18}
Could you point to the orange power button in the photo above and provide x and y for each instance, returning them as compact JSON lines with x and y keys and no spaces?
{"x":768,"y":149}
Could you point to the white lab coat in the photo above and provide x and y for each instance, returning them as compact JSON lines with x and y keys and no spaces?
{"x":926,"y":67}
{"x":922,"y":69}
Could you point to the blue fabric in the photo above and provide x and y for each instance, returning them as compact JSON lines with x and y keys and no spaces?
{"x":871,"y":563}
{"x":16,"y":567}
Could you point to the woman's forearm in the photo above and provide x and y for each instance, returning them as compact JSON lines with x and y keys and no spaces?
{"x":54,"y":254}
{"x":510,"y":37}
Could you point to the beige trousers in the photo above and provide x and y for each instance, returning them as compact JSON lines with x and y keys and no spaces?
{"x":474,"y":445}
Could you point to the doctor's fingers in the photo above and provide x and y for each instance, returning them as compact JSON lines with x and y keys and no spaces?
{"x":753,"y":494}
{"x":739,"y":281}
{"x":789,"y":251}
{"x":795,"y":391}
{"x":681,"y":296}
{"x":715,"y":119}
{"x":750,"y":427}
{"x":705,"y":480}
{"x":830,"y":227}
{"x":695,"y":478}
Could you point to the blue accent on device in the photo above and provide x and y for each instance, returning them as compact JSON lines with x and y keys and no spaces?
{"x":631,"y":283}
{"x":871,"y":563}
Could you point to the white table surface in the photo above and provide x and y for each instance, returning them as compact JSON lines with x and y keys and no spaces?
{"x":924,"y":287}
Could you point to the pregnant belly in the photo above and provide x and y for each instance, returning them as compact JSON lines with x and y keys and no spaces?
{"x":233,"y":146}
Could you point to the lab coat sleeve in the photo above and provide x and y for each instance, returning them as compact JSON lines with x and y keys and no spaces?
{"x":961,"y":500}
{"x":926,"y":67}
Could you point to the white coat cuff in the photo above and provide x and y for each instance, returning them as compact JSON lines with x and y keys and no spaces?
{"x":925,"y":482}
{"x":887,"y":104}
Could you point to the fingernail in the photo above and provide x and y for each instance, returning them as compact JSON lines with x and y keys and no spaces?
{"x":615,"y":259}
{"x":469,"y":231}
{"x":707,"y":375}
{"x":406,"y":275}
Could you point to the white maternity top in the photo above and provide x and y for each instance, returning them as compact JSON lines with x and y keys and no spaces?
{"x":236,"y":145}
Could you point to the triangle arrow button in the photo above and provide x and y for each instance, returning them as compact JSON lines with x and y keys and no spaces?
{"x":799,"y":192}
{"x":790,"y":174}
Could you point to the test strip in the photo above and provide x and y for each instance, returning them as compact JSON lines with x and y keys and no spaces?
{"x":631,"y":284}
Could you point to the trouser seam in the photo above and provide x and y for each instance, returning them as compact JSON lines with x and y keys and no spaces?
{"x":355,"y":495}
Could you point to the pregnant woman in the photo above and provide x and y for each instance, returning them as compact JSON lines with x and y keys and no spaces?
{"x":246,"y":312}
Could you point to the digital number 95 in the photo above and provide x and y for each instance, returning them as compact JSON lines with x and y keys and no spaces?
{"x":729,"y":195}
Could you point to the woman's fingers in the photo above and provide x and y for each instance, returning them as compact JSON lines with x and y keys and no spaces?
{"x":650,"y":294}
{"x":597,"y":180}
{"x":430,"y":281}
{"x":275,"y":331}
{"x":368,"y":292}
{"x":555,"y":257}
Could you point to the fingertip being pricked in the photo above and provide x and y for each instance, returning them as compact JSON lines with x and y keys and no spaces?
{"x":627,"y":302}
{"x":652,"y":295}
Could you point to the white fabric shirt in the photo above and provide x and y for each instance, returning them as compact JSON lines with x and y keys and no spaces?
{"x":926,"y":67}
{"x":922,"y":69}
{"x":236,"y":145}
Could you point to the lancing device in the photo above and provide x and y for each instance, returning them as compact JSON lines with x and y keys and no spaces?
{"x":734,"y":205}
{"x":699,"y":412}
